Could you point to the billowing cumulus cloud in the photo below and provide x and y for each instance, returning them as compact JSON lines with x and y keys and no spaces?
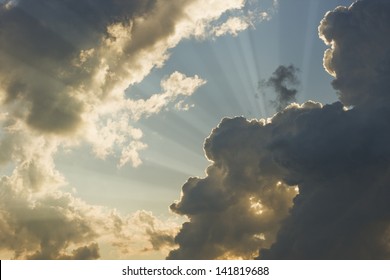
{"x":358,"y":56}
{"x":312,"y":182}
{"x":72,"y":61}
{"x":239,"y":206}
{"x":340,"y":163}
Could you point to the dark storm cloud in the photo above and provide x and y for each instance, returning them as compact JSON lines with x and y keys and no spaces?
{"x":340,"y":161}
{"x":338,"y":158}
{"x":283,"y":82}
{"x":359,"y":57}
{"x":238,"y":207}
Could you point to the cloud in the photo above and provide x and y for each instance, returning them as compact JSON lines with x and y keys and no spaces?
{"x":283,"y":82}
{"x":341,"y":170}
{"x":174,"y":87}
{"x":232,"y":26}
{"x":248,"y":199}
{"x":39,"y":220}
{"x":358,"y":56}
{"x":142,"y":234}
{"x":235,"y":209}
{"x":312,"y":181}
{"x":90,"y":252}
{"x":242,"y":20}
{"x":116,"y":131}
{"x":72,"y":61}
{"x":159,"y":234}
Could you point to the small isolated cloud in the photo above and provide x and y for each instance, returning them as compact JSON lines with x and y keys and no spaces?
{"x":282,"y":82}
{"x":312,"y":182}
{"x":181,"y":106}
{"x":176,"y":86}
{"x":241,"y":21}
{"x":232,"y":26}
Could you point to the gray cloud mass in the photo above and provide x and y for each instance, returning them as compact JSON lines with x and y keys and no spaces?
{"x":312,"y":182}
{"x":358,"y":56}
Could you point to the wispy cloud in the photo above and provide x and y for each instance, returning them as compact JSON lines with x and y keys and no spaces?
{"x":283,"y":83}
{"x":177,"y":85}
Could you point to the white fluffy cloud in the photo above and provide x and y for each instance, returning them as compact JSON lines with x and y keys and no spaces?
{"x":232,"y":26}
{"x":241,"y":20}
{"x":175,"y":86}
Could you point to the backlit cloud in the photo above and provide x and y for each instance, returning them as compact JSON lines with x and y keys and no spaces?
{"x":358,"y":56}
{"x":312,"y":182}
{"x":177,"y":85}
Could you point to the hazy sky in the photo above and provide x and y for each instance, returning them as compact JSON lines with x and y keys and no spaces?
{"x":141,"y":129}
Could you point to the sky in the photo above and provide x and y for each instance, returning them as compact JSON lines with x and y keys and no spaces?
{"x":235,"y":129}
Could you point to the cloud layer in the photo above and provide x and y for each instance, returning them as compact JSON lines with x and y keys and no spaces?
{"x":312,"y":182}
{"x":64,"y":69}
